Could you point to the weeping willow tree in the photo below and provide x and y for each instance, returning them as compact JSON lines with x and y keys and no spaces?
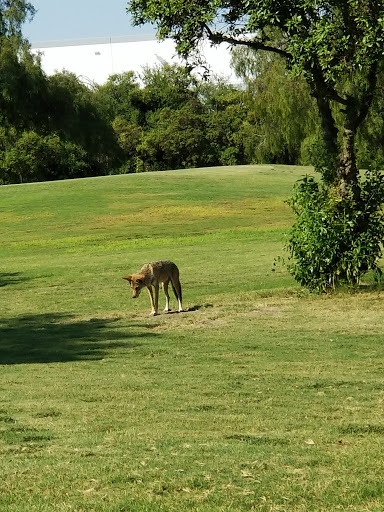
{"x":282,"y":118}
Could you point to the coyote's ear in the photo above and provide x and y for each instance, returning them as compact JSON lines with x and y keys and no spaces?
{"x":128,"y":278}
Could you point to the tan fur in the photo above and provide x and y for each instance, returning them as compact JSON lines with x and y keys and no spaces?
{"x":151,"y":275}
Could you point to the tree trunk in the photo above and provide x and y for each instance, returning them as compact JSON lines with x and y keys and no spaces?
{"x":348,"y":174}
{"x":355,"y":112}
{"x":329,"y":134}
{"x":342,"y":171}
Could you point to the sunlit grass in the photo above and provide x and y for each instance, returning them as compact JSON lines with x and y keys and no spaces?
{"x":259,"y":397}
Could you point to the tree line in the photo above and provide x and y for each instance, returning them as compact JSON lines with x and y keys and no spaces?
{"x":57,"y":127}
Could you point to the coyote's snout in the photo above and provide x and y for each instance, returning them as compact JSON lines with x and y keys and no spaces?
{"x":152,"y":274}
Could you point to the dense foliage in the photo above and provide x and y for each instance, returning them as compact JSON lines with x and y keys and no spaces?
{"x":164,"y":119}
{"x":327,"y":241}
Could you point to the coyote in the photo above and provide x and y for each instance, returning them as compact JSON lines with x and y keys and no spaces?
{"x":152,"y":274}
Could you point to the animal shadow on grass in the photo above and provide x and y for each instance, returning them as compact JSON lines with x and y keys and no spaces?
{"x":196,"y":307}
{"x":48,"y":338}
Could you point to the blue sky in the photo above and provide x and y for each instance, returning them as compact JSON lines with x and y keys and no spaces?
{"x":80,"y":19}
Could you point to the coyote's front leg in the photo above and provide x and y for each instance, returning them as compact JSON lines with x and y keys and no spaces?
{"x":153,"y":303}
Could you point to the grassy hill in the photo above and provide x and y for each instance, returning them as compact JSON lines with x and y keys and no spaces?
{"x":259,"y":397}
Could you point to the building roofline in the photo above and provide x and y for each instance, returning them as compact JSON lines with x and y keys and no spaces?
{"x":93,"y":41}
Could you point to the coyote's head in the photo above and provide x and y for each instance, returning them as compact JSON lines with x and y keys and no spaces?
{"x":137,"y":283}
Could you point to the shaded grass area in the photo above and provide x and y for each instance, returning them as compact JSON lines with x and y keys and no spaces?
{"x":259,"y":397}
{"x":46,"y":338}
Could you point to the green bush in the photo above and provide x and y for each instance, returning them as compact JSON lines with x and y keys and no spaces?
{"x":335,"y":242}
{"x":32,"y":157}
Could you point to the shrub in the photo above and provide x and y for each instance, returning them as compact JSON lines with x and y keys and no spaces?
{"x":33,"y":157}
{"x":332,"y":241}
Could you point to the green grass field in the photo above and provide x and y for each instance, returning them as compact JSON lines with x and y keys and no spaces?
{"x":260,"y":397}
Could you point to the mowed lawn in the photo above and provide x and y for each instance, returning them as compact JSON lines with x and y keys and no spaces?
{"x":259,"y":397}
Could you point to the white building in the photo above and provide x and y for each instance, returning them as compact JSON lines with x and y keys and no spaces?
{"x":94,"y":60}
